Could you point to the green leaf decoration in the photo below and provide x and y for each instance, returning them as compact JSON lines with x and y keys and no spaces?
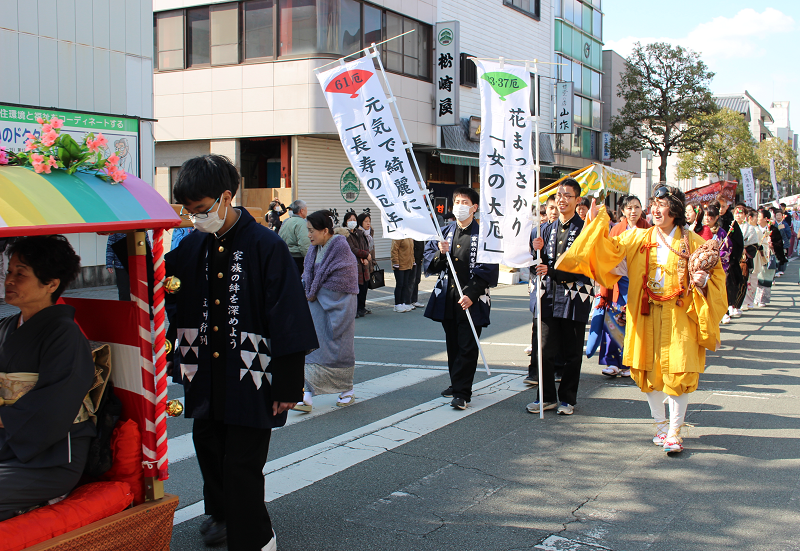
{"x":64,"y":156}
{"x":504,"y":84}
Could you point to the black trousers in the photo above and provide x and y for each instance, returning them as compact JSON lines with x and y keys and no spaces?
{"x":564,"y":338}
{"x":402,"y":286}
{"x":123,"y":283}
{"x":416,"y":277}
{"x":362,"y":296}
{"x":300,"y":261}
{"x":462,"y":353}
{"x":231,"y":460}
{"x":533,"y":367}
{"x":733,"y":281}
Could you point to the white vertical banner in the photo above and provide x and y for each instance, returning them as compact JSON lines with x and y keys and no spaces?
{"x":564,"y":103}
{"x":446,"y":82}
{"x":506,"y":165}
{"x":774,"y":180}
{"x":749,"y":187}
{"x":375,"y":149}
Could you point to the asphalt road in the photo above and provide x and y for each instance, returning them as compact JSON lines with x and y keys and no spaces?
{"x":401,"y":470}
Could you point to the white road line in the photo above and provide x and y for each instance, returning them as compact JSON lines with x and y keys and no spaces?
{"x":181,"y":447}
{"x":739,"y":396}
{"x":305,"y":467}
{"x":439,"y":340}
{"x":439,"y":367}
{"x":391,"y":297}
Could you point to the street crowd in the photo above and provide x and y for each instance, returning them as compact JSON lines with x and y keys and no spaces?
{"x":264,"y":318}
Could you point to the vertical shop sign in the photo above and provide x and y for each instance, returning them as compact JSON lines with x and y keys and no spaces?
{"x":447,"y":76}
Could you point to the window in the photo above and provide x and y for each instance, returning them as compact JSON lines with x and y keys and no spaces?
{"x":567,"y":10}
{"x":596,"y":114}
{"x":577,"y":103}
{"x":533,"y":97}
{"x":557,"y":8}
{"x":411,"y":54}
{"x":259,"y":31}
{"x":169,"y":40}
{"x":596,"y":85}
{"x":469,"y":71}
{"x":530,"y":7}
{"x":224,"y":34}
{"x":577,"y":78}
{"x":586,"y":89}
{"x":597,"y":25}
{"x":373,"y":25}
{"x":566,"y":39}
{"x":587,"y":18}
{"x":197,"y":37}
{"x":586,"y":112}
{"x":298,"y":27}
{"x":577,"y":13}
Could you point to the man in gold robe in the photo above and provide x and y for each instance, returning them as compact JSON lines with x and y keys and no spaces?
{"x":672,"y":317}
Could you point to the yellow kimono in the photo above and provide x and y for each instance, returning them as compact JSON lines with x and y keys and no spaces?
{"x":666,"y":348}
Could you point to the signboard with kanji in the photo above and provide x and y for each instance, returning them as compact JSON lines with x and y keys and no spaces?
{"x":446,"y":81}
{"x":122,"y":132}
{"x":564,"y":108}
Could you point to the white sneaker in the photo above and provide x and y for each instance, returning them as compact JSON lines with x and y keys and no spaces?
{"x":410,"y":307}
{"x":400,"y":308}
{"x":417,"y":305}
{"x":528,"y":350}
{"x":737,"y":313}
{"x":726,"y":319}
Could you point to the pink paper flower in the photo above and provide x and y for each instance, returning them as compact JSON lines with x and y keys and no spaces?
{"x":49,"y":138}
{"x":92,"y":145}
{"x":40,"y":120}
{"x":118,"y":175}
{"x":55,"y":122}
{"x":30,"y":136}
{"x":46,"y":127}
{"x":3,"y":156}
{"x":52,"y":162}
{"x":101,"y":140}
{"x":36,"y":158}
{"x":30,"y":145}
{"x":113,"y":160}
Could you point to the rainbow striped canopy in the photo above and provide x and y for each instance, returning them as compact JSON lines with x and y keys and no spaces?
{"x":41,"y":204}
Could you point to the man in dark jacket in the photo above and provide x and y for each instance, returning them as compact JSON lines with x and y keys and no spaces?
{"x":566,"y":304}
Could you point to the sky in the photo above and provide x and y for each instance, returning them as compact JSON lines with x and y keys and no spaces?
{"x":749,"y":45}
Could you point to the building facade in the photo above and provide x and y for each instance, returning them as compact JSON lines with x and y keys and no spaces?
{"x":237,"y":78}
{"x":91,"y":63}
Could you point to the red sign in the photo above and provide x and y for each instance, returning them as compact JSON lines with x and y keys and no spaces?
{"x":706,"y":194}
{"x":349,"y":82}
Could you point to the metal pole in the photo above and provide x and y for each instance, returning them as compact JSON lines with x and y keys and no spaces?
{"x":409,"y":148}
{"x":538,"y":259}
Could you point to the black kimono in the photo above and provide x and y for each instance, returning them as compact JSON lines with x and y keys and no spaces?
{"x":42,"y":450}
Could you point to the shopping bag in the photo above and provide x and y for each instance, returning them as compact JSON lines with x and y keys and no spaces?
{"x":376,"y":280}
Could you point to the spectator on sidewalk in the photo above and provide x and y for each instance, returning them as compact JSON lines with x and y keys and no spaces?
{"x":331,"y":286}
{"x":403,"y":266}
{"x":365,"y":223}
{"x":566,"y":304}
{"x":672,"y":317}
{"x":275,"y":210}
{"x":243,"y":328}
{"x":416,"y":275}
{"x":295,"y":233}
{"x":445,"y":304}
{"x":119,"y":268}
{"x":583,"y":207}
{"x":745,"y":261}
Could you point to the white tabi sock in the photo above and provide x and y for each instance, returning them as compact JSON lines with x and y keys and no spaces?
{"x":677,"y":412}
{"x":656,"y":400}
{"x":307,"y":398}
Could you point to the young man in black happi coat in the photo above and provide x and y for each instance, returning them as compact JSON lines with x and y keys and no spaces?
{"x":446,"y":306}
{"x":243,"y":329}
{"x":566,"y":304}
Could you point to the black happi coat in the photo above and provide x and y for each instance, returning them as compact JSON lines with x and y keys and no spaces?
{"x":482,"y":276}
{"x":268,"y":318}
{"x":39,"y":430}
{"x":568,"y":296}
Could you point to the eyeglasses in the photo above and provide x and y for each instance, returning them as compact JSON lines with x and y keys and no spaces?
{"x":564,"y":196}
{"x":662,"y":192}
{"x":197,"y":216}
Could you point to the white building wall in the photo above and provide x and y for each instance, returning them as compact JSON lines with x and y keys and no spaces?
{"x":84,"y":55}
{"x":490,"y":29}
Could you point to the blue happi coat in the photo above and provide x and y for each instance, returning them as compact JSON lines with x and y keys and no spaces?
{"x":481,"y":275}
{"x":268,"y":316}
{"x":565,"y":295}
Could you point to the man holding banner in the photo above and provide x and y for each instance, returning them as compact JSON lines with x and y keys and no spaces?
{"x":461,"y":241}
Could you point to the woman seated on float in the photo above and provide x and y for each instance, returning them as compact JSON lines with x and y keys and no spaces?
{"x":46,"y":370}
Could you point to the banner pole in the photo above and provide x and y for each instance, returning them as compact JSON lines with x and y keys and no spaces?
{"x":538,"y":259}
{"x":410,"y":149}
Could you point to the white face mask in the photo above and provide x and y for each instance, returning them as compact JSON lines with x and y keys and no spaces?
{"x":351,"y":225}
{"x":462,"y":212}
{"x":212,"y":223}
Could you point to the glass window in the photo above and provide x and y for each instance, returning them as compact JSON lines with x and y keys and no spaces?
{"x":586,"y":89}
{"x":586,"y":143}
{"x":587,"y":18}
{"x":197,"y":38}
{"x":577,"y":12}
{"x":566,"y":69}
{"x":567,"y":12}
{"x":596,"y":91}
{"x":557,"y":30}
{"x":597,"y":55}
{"x":577,"y":44}
{"x":423,"y":48}
{"x":298,"y":27}
{"x":338,"y":26}
{"x":529,"y":6}
{"x":566,"y":39}
{"x":169,"y":37}
{"x":577,"y":110}
{"x":597,"y":25}
{"x":393,"y":50}
{"x":411,"y":47}
{"x":557,"y":8}
{"x":596,"y":114}
{"x":576,"y":142}
{"x":577,"y":77}
{"x":372,"y":25}
{"x":350,"y":33}
{"x":586,"y":112}
{"x":224,"y":34}
{"x":258,"y":28}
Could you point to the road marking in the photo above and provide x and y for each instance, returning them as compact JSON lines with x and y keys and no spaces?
{"x":307,"y":466}
{"x":438,"y":367}
{"x":391,"y":297}
{"x":739,"y":396}
{"x":439,"y":341}
{"x":181,"y":447}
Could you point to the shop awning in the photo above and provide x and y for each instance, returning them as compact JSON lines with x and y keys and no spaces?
{"x":458,"y":149}
{"x":41,"y":204}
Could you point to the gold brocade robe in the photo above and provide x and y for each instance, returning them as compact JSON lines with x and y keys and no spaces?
{"x":695,"y":325}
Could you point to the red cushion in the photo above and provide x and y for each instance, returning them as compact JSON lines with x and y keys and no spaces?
{"x":126,"y":447}
{"x":83,"y":506}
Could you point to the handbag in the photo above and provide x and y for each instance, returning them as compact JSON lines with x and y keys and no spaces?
{"x":773,"y":263}
{"x":376,"y":280}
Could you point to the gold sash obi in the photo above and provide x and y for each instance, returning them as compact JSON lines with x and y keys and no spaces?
{"x":14,"y":386}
